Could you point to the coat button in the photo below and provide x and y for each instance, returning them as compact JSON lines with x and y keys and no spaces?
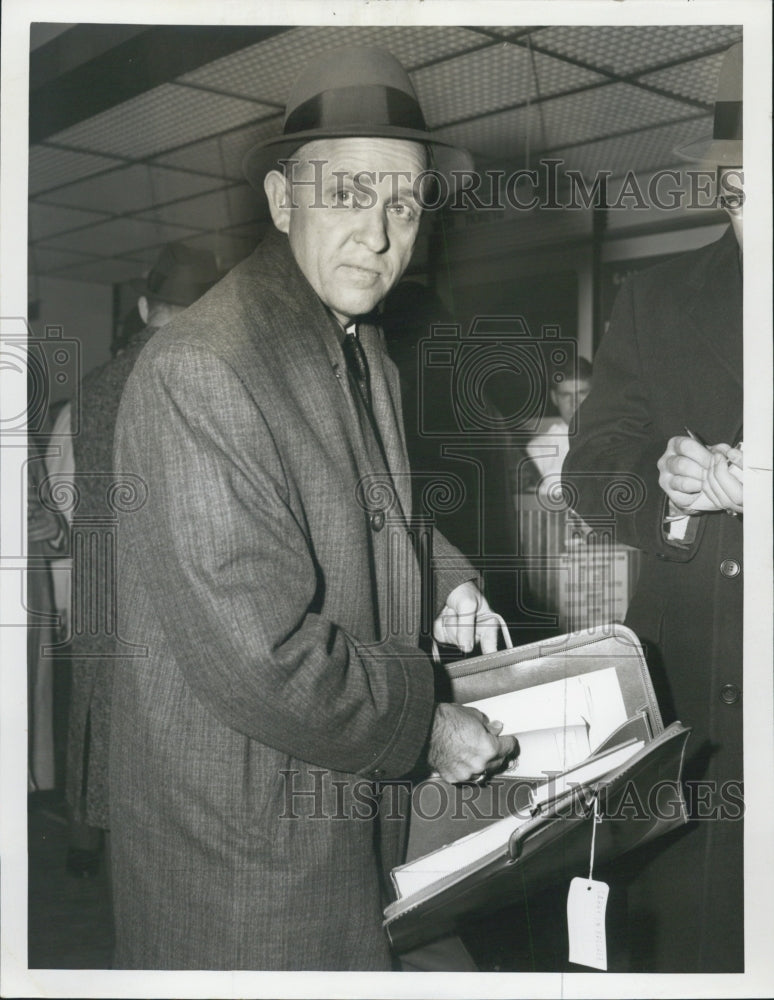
{"x":730,"y":568}
{"x":377,"y":520}
{"x":730,"y":694}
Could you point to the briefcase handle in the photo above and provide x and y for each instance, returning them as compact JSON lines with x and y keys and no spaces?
{"x":496,"y":619}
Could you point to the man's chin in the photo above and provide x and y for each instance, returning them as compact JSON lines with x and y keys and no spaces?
{"x":359,"y":305}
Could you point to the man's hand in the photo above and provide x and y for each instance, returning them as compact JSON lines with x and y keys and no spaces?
{"x":724,"y":482}
{"x":682,"y":470}
{"x":466,"y":619}
{"x":698,"y":479}
{"x":464,"y":744}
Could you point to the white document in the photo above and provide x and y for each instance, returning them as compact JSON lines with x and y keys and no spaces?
{"x":426,"y":870}
{"x":595,"y":768}
{"x":594,"y":700}
{"x":546,"y":751}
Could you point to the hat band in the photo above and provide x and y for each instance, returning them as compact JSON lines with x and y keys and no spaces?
{"x":728,"y":120}
{"x":371,"y":106}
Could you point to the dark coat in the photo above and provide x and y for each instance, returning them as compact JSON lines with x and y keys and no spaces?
{"x":272,"y":577}
{"x":672,"y":359}
{"x":93,"y":643}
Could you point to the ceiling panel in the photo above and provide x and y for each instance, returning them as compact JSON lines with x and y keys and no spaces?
{"x":266,"y":71}
{"x":644,"y":150}
{"x":588,"y":115}
{"x":147,"y":256}
{"x":111,"y":271}
{"x":47,"y":220}
{"x":697,"y":79}
{"x":505,"y":29}
{"x":49,"y":167}
{"x":166,"y":165}
{"x":120,"y":236}
{"x":628,"y":49}
{"x":614,"y":108}
{"x":131,"y":189}
{"x":492,"y":78}
{"x":500,"y":136}
{"x":216,"y":210}
{"x":42,"y":260}
{"x":162,"y":118}
{"x":222,"y":156}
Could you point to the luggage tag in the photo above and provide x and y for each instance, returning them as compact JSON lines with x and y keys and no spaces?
{"x":586,"y":906}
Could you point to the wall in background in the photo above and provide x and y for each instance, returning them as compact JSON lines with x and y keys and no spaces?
{"x":84,"y":311}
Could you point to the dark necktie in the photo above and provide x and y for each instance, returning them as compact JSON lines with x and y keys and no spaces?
{"x":357,"y":365}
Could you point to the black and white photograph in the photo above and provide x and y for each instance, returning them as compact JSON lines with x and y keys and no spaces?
{"x":383,"y":387}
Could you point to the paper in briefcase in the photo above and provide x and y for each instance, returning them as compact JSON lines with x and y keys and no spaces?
{"x":588,"y":725}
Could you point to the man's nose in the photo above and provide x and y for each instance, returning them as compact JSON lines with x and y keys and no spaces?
{"x":371,"y":228}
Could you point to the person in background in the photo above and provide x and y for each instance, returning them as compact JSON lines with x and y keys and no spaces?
{"x":271,"y":572}
{"x":46,"y":545}
{"x":571,"y":384}
{"x":665,"y":418}
{"x":177,"y":279}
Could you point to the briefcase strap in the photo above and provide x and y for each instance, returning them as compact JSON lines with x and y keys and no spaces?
{"x":493,"y":617}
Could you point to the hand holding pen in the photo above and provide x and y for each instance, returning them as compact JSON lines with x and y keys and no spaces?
{"x":700,"y":478}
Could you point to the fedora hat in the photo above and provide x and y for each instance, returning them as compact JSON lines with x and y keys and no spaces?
{"x":356,"y":91}
{"x":724,"y":146}
{"x":180,"y":275}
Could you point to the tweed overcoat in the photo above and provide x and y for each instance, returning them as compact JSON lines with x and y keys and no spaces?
{"x":672,"y":359}
{"x":272,"y":577}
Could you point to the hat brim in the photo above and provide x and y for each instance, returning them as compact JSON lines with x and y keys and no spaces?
{"x":265,"y":156}
{"x":721,"y":152}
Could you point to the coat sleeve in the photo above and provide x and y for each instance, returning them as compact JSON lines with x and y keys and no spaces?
{"x":228,"y":564}
{"x":450,"y":569}
{"x":611,"y":472}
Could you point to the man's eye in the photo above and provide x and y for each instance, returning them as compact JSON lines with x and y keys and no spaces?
{"x":403,"y":211}
{"x":343,"y":197}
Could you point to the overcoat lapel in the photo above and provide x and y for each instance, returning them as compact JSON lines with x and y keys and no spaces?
{"x":385,"y":390}
{"x":312,"y":349}
{"x":716,"y":304}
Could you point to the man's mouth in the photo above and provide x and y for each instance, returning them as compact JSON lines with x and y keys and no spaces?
{"x":359,"y":274}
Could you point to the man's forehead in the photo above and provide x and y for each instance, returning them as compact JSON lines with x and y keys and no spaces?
{"x":374,"y":154}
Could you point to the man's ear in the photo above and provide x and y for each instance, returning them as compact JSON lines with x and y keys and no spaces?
{"x":278,"y":195}
{"x":143,"y":309}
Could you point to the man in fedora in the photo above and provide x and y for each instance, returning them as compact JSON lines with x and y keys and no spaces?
{"x":273,"y":575}
{"x":666,"y":408}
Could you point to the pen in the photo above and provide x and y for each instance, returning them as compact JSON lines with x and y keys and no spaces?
{"x":695,"y":437}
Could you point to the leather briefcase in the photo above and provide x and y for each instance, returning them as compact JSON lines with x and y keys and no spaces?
{"x":476,"y":848}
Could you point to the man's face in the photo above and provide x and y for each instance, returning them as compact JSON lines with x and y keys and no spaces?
{"x":569,"y":395}
{"x":354,"y":227}
{"x":731,"y":193}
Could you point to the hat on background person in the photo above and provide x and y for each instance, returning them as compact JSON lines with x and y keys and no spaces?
{"x":724,"y":147}
{"x":356,"y":91}
{"x":180,"y":275}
